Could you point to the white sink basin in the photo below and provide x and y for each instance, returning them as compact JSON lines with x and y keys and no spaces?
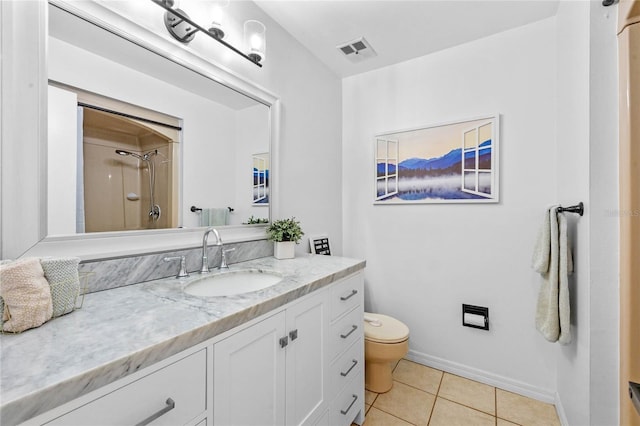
{"x":232,"y":282}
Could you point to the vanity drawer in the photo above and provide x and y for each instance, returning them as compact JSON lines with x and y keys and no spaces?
{"x":183,"y":383}
{"x":346,"y":367}
{"x":346,"y":295}
{"x":345,"y":331}
{"x":349,"y":402}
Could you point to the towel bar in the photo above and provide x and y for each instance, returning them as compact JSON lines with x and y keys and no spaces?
{"x":195,"y":209}
{"x":579,"y":208}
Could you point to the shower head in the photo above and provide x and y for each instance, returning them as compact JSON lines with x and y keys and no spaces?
{"x":125,"y":153}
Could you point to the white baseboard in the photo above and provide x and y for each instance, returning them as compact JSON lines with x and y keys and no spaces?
{"x":511,"y":385}
{"x":560,"y":410}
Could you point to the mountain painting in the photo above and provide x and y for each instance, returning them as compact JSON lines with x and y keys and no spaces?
{"x":448,"y":163}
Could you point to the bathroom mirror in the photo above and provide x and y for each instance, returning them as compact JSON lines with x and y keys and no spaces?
{"x":193,"y":167}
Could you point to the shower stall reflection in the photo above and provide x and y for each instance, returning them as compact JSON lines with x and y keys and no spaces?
{"x":128,"y":174}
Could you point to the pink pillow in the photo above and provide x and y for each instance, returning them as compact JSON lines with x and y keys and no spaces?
{"x":26,"y":294}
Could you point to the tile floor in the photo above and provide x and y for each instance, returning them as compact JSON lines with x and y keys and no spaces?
{"x":424,"y":396}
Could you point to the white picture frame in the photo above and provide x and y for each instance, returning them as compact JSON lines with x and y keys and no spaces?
{"x":452,"y":162}
{"x":319,"y":244}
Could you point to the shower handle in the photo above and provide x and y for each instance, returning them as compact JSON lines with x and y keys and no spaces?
{"x":155,"y":212}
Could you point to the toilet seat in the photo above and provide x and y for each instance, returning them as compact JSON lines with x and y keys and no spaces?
{"x":390,"y":331}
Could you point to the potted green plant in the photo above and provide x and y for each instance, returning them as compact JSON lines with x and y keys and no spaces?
{"x":285,"y":233}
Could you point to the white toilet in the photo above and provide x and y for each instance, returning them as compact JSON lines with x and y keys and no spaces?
{"x":386,"y":340}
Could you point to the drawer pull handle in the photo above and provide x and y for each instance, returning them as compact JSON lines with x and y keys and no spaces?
{"x":345,"y":374}
{"x":353,"y":293}
{"x":171,"y":404}
{"x":353,"y":328}
{"x":355,"y":398}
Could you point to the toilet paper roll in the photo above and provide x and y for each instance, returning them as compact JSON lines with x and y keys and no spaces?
{"x":474,"y":319}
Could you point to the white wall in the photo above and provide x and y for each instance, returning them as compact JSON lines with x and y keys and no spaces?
{"x":555,"y":85}
{"x":587,"y":379}
{"x":62,"y":161}
{"x":604,"y":224}
{"x":573,"y":186}
{"x":424,"y":261}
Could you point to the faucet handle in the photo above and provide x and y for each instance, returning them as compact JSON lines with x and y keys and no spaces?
{"x":223,"y":261}
{"x":183,"y":265}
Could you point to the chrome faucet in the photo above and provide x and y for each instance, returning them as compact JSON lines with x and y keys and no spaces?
{"x":205,"y":261}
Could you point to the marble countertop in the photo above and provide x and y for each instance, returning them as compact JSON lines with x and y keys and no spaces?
{"x":123,"y":330}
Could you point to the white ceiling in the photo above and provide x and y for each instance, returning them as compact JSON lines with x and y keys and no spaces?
{"x":398,"y":30}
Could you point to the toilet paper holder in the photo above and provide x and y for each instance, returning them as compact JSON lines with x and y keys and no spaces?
{"x":475,"y":316}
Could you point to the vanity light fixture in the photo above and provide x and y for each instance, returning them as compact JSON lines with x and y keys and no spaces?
{"x":255,"y":39}
{"x":218,"y":11}
{"x":184,"y":29}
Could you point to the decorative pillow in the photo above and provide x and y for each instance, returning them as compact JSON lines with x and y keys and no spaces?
{"x":26,"y":294}
{"x":62,"y":274}
{"x":3,"y":262}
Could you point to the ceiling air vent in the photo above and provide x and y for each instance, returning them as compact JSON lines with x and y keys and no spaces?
{"x":357,"y":50}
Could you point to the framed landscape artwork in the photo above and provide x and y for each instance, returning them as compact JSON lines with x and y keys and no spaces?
{"x":454,"y":162}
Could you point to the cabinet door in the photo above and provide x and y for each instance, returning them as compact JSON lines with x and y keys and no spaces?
{"x":248,"y":378}
{"x":307,"y":374}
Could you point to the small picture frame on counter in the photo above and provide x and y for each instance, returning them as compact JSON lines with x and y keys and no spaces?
{"x":319,"y":244}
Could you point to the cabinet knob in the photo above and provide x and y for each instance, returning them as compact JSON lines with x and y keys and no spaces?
{"x":284,"y":341}
{"x":293,"y":334}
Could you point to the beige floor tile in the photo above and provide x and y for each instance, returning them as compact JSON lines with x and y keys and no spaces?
{"x":525,"y":411}
{"x":468,"y":392}
{"x":376,"y":417}
{"x":369,"y":397}
{"x":503,"y":422}
{"x":408,"y":403}
{"x":418,"y":376}
{"x":447,"y":413}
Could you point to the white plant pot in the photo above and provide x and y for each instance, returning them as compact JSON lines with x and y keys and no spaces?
{"x":284,"y":250}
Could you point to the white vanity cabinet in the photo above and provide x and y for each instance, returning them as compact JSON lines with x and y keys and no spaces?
{"x":300,"y":364}
{"x":275,"y":371}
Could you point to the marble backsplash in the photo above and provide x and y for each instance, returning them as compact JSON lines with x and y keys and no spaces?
{"x":101,"y":275}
